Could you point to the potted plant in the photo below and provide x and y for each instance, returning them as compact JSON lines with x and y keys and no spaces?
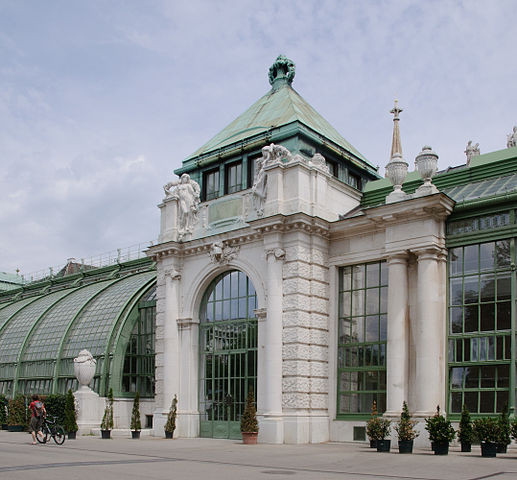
{"x":487,"y":431}
{"x":249,"y":423}
{"x":406,"y":432}
{"x":16,"y":412}
{"x":513,"y":428}
{"x":70,"y":422}
{"x":136,"y":425}
{"x":170,"y":425}
{"x":465,"y":431}
{"x":3,"y":412}
{"x":440,"y":432}
{"x":503,"y":437}
{"x":371,"y":425}
{"x":107,"y":419}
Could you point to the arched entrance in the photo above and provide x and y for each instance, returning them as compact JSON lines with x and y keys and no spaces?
{"x":228,"y":353}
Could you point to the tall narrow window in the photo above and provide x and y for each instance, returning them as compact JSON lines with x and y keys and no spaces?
{"x":211,"y":184}
{"x":362,"y":330}
{"x":480,"y":326}
{"x":233,"y":180}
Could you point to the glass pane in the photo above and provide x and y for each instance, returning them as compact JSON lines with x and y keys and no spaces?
{"x":488,"y":317}
{"x":471,"y":289}
{"x":456,"y":291}
{"x":455,"y":261}
{"x":503,"y":376}
{"x":384,"y":273}
{"x":471,"y":259}
{"x":487,"y":288}
{"x":358,"y":302}
{"x":504,"y":287}
{"x":456,"y":403}
{"x":471,"y":401}
{"x":372,"y":275}
{"x":486,"y":404}
{"x":502,"y":400}
{"x":372,"y":328}
{"x":358,"y":276}
{"x":503,"y":316}
{"x":488,"y":376}
{"x":456,"y":319}
{"x":347,"y":278}
{"x":487,"y":254}
{"x":383,"y":328}
{"x":471,"y":318}
{"x":456,"y":377}
{"x":471,"y":377}
{"x":372,"y":301}
{"x":502,"y":253}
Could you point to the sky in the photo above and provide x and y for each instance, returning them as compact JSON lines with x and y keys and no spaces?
{"x":101,"y":100}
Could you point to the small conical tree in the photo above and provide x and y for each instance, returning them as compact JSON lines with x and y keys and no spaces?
{"x":465,"y":431}
{"x":70,"y":423}
{"x":107,"y":419}
{"x":170,"y":425}
{"x":249,"y":423}
{"x":503,"y":437}
{"x":405,"y":428}
{"x":136,"y":425}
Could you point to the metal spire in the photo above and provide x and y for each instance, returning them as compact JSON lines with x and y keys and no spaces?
{"x":396,"y":146}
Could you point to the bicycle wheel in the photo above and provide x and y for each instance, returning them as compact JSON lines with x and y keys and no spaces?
{"x":43,"y":437}
{"x":59,"y":435}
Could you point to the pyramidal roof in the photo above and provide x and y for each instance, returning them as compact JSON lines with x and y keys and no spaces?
{"x":282,"y":105}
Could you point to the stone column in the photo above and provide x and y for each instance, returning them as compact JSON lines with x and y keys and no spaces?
{"x":271,"y":430}
{"x":188,"y":396}
{"x":397,"y":349}
{"x":429,"y":334}
{"x":171,"y":370}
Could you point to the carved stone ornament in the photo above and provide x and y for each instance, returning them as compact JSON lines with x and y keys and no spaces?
{"x":279,"y":253}
{"x":173,"y":274}
{"x":512,"y":138}
{"x":271,"y":154}
{"x":471,"y":151}
{"x":84,"y":368}
{"x":186,"y":192}
{"x":221,"y":254}
{"x":318,"y":160}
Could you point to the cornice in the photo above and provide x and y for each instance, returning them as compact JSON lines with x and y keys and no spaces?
{"x":289,"y":223}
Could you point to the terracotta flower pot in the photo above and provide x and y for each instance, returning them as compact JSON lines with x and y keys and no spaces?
{"x":249,"y":438}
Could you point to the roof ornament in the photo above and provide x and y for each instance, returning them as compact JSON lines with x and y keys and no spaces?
{"x":282,"y":69}
{"x":512,"y":138}
{"x":471,"y":151}
{"x":396,"y":169}
{"x":426,"y":163}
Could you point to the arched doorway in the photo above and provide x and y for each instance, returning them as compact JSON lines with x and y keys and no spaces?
{"x":228,"y":351}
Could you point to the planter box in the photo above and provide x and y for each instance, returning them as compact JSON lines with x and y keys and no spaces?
{"x":135,"y":434}
{"x":383,"y":445}
{"x":466,"y":447}
{"x":106,"y":434}
{"x":249,"y":438}
{"x":16,"y":428}
{"x":405,"y":446}
{"x":502,"y":448}
{"x":169,"y":434}
{"x":441,"y":448}
{"x":488,"y":449}
{"x":72,"y":435}
{"x":373,"y":443}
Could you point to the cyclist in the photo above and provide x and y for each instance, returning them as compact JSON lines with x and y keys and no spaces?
{"x":38,"y":413}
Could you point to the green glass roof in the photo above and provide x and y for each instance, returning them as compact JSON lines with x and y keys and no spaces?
{"x":486,"y":188}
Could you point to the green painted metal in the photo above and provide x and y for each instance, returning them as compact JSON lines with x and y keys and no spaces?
{"x":55,"y":377}
{"x":13,"y":309}
{"x":513,"y":365}
{"x":125,"y":323}
{"x":28,"y":336}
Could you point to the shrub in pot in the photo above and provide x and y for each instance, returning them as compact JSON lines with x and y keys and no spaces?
{"x":3,"y":412}
{"x":107,"y":419}
{"x":249,"y":423}
{"x":513,"y":428}
{"x":406,"y":432}
{"x":136,"y":425}
{"x":465,"y":431}
{"x":504,"y":431}
{"x":487,"y":431}
{"x":378,"y":429}
{"x":440,"y":432}
{"x":70,"y":422}
{"x":371,"y":425}
{"x":170,"y":425}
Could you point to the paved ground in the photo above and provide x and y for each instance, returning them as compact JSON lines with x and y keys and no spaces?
{"x":155,"y":458}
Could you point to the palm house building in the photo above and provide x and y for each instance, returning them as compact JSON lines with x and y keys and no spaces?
{"x":288,"y":266}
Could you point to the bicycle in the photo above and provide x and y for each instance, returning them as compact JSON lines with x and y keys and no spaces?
{"x":50,"y":428}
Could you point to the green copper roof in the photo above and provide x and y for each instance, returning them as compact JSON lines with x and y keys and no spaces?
{"x":282,"y":105}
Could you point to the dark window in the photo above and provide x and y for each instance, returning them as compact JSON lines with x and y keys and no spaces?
{"x":354,"y":180}
{"x":211,"y":184}
{"x":233,"y":180}
{"x":333,"y":168}
{"x":252,"y":165}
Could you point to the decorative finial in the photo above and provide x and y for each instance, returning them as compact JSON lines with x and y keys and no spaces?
{"x":426,"y":163}
{"x":396,"y":145}
{"x":283,"y":69}
{"x":471,"y":151}
{"x":512,"y":138}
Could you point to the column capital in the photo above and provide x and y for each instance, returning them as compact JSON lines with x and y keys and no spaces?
{"x":260,"y":313}
{"x":279,"y":253}
{"x":397,"y":257}
{"x":428,"y":253}
{"x":186,"y":323}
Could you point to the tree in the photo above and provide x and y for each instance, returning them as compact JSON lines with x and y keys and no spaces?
{"x":107,"y":419}
{"x":70,"y":422}
{"x":135,"y":415}
{"x":249,"y":423}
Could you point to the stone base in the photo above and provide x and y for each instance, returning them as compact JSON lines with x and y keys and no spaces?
{"x":424,"y":190}
{"x":90,"y":409}
{"x":396,"y":196}
{"x":271,"y":429}
{"x":159,"y":421}
{"x":302,"y":429}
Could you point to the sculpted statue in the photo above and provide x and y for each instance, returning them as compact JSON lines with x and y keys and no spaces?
{"x":186,"y":191}
{"x":471,"y":151}
{"x":319,"y":161}
{"x":221,"y":253}
{"x":270,"y":154}
{"x":512,"y":138}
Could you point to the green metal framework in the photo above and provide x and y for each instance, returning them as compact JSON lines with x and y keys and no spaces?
{"x":482,"y":296}
{"x":40,"y":335}
{"x":362,"y":330}
{"x":228,"y":350}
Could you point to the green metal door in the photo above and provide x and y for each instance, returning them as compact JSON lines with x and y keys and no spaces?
{"x":228,"y":349}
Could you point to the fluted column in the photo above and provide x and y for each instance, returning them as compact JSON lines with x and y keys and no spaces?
{"x":429,"y":328}
{"x":397,"y":349}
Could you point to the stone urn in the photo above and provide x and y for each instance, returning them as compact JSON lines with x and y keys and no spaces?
{"x":396,"y":172}
{"x":426,"y":163}
{"x":84,"y":368}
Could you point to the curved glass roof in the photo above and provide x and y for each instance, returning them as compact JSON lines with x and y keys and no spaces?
{"x":37,"y":332}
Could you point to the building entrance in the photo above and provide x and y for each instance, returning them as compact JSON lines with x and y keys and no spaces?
{"x":228,"y":350}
